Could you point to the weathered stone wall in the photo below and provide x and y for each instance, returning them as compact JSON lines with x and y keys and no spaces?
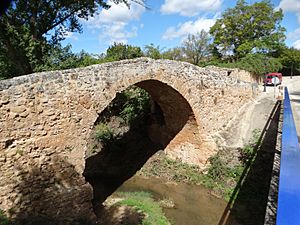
{"x":46,"y":120}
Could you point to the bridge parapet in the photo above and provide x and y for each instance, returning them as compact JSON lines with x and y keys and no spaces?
{"x":288,"y":211}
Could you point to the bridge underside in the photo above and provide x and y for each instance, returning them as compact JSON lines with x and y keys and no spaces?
{"x":169,"y":124}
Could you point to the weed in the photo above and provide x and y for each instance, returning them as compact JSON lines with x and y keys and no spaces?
{"x":103,"y":133}
{"x":136,"y":105}
{"x":94,"y":148}
{"x":219,"y":176}
{"x":19,"y":152}
{"x":248,"y":151}
{"x":218,"y":169}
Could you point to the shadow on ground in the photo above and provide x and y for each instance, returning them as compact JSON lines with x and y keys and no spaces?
{"x":116,"y":163}
{"x":247,"y":205}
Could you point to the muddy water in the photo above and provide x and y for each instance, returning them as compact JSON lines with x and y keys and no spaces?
{"x":193,"y":204}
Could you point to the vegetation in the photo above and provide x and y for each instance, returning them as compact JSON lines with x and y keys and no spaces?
{"x":290,"y":58}
{"x":103,"y":133}
{"x":257,"y":64}
{"x":29,"y":31}
{"x":131,"y":106}
{"x":247,"y":28}
{"x":247,"y":36}
{"x":119,"y":51}
{"x":220,"y":176}
{"x":173,"y":54}
{"x":63,"y":58}
{"x":196,"y":47}
{"x":152,"y":51}
{"x":136,"y":105}
{"x":144,"y":202}
{"x":3,"y":219}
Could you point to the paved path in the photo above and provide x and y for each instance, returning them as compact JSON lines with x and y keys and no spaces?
{"x":294,"y":91}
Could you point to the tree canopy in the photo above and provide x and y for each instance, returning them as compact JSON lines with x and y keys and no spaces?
{"x":290,"y":57}
{"x":119,"y":51}
{"x":196,"y":46}
{"x":248,"y":28}
{"x":30,"y":28}
{"x":153,"y":51}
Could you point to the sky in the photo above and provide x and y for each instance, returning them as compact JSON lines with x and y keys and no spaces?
{"x":166,"y":24}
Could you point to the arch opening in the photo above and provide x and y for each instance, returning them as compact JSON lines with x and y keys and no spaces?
{"x":145,"y":118}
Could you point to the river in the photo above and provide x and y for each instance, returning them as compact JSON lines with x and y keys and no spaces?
{"x":194,"y":205}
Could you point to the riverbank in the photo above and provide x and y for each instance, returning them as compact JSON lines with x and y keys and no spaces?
{"x":181,"y":203}
{"x":134,"y":208}
{"x":171,"y":182}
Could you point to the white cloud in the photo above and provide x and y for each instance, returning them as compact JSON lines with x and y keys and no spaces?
{"x":189,"y":27}
{"x":113,"y":23}
{"x":296,"y":44}
{"x":70,"y":35}
{"x":117,"y":33}
{"x":294,"y":35}
{"x":291,"y":6}
{"x":190,"y":7}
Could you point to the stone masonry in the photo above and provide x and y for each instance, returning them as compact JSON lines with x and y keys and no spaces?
{"x":47,"y":118}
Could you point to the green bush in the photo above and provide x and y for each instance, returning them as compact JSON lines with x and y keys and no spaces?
{"x":218,"y":169}
{"x":103,"y":133}
{"x":128,"y":114}
{"x":136,"y":104}
{"x":247,"y":153}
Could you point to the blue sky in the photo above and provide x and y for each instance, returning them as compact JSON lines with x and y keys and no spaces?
{"x":166,"y":24}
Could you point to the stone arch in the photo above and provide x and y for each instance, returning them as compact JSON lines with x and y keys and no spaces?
{"x":187,"y":89}
{"x":175,"y":108}
{"x":185,"y":86}
{"x":105,"y":170}
{"x":176,"y":105}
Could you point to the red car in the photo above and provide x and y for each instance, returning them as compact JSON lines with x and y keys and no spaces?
{"x":273,"y":78}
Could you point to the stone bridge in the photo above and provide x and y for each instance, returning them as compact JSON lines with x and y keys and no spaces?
{"x":46,"y":121}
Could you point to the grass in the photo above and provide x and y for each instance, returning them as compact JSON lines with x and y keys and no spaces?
{"x":220,"y":177}
{"x":144,"y":202}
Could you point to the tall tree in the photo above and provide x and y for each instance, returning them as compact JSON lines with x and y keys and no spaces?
{"x":63,"y":58}
{"x":29,"y":28}
{"x":247,"y":28}
{"x":290,"y":58}
{"x":153,"y":51}
{"x":173,"y":54}
{"x":196,"y":47}
{"x":119,"y":51}
{"x":259,"y":64}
